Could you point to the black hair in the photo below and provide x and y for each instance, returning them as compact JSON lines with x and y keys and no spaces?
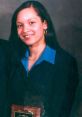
{"x":42,"y":12}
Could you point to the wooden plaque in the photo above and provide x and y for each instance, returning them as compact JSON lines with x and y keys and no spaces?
{"x":25,"y":111}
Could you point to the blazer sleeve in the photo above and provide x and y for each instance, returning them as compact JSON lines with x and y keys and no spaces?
{"x":65,"y":84}
{"x":3,"y":76}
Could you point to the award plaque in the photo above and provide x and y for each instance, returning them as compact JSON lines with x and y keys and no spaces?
{"x":25,"y":111}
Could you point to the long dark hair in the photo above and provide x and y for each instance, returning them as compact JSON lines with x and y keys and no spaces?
{"x":50,"y":36}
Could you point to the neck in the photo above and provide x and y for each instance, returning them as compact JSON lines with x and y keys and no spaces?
{"x":35,"y":51}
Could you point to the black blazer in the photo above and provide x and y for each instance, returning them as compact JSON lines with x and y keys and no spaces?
{"x":50,"y":86}
{"x":3,"y":75}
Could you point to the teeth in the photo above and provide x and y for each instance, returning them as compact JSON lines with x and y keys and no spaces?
{"x":26,"y":36}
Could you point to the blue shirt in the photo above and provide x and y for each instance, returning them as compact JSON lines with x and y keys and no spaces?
{"x":47,"y":55}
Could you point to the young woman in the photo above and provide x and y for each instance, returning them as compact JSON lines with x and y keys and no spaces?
{"x":43,"y":76}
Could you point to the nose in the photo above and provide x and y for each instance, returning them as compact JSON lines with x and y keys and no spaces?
{"x":26,"y":28}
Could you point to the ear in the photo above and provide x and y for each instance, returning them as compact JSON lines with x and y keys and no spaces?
{"x":45,"y":24}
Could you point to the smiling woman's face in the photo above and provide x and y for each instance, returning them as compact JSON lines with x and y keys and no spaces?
{"x":30,"y":27}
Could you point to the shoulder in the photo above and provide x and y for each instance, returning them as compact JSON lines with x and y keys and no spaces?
{"x":3,"y":45}
{"x":63,"y":57}
{"x":66,"y":65}
{"x":3,"y":42}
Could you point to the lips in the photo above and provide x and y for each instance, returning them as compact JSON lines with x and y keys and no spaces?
{"x":26,"y":36}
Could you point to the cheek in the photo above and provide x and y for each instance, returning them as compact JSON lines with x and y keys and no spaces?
{"x":39,"y":30}
{"x":19,"y":31}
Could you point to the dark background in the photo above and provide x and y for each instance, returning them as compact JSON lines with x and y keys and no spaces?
{"x":67,"y":19}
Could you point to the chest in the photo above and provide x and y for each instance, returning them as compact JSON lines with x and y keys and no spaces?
{"x":39,"y":81}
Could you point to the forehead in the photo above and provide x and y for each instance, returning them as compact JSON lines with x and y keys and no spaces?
{"x":27,"y":12}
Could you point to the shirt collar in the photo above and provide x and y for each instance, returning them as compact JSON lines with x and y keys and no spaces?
{"x":47,"y":55}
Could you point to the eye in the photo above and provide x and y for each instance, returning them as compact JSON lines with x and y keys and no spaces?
{"x":19,"y":25}
{"x":32,"y":22}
